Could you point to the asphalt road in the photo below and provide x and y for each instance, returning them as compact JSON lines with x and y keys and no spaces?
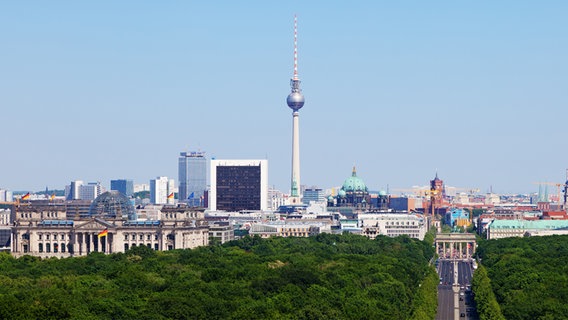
{"x":454,"y":289}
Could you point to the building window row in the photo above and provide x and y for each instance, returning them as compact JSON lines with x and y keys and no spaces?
{"x":49,"y":236}
{"x":48,"y":247}
{"x":140,"y":237}
{"x":408,"y":223}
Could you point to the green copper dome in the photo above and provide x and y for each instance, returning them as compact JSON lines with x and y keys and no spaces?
{"x":354,"y":183}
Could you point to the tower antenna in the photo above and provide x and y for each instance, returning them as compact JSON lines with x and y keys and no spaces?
{"x":295,"y":47}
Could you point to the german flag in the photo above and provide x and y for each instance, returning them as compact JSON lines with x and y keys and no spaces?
{"x":171,"y":195}
{"x":26,"y":196}
{"x":103,"y":233}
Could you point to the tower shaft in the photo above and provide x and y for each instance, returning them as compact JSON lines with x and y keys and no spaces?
{"x":295,"y":189}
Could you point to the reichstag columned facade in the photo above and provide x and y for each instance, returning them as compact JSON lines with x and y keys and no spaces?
{"x":111,"y":226}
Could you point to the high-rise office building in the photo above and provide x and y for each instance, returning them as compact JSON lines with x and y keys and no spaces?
{"x":78,"y":190}
{"x":295,"y":101}
{"x":126,"y":187}
{"x":192,"y":175}
{"x":90,"y":191}
{"x":162,"y":190}
{"x":6,"y":196}
{"x":313,"y":194}
{"x":72,"y":190}
{"x":238,"y":185}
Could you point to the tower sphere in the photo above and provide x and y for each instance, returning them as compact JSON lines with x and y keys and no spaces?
{"x":295,"y":101}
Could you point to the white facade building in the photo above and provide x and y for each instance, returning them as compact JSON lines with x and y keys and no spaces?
{"x":72,"y":190}
{"x":90,"y":191}
{"x":141,"y":187}
{"x":160,"y":189}
{"x":5,"y":217}
{"x":6,"y":196}
{"x":291,"y":228}
{"x":78,"y":190}
{"x":393,"y":225}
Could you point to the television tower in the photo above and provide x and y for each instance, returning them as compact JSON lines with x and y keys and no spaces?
{"x":295,"y":101}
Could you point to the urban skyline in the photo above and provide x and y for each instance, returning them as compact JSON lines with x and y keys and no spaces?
{"x":474,"y":91}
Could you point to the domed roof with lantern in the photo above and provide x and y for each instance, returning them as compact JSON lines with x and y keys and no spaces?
{"x":354,"y":183}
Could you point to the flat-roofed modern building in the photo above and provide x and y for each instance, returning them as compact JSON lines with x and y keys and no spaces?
{"x":124,"y":186}
{"x":313,"y":194}
{"x":238,"y":185}
{"x":162,"y":190}
{"x":291,"y":228}
{"x":6,"y":196}
{"x":192,"y":175}
{"x":392,"y":224}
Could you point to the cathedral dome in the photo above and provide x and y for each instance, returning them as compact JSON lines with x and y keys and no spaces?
{"x":112,"y":204}
{"x":354,"y":183}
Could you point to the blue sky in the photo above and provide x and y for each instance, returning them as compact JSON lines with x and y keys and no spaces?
{"x":102,"y":90}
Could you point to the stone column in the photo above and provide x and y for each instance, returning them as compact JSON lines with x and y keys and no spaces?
{"x":78,"y":248}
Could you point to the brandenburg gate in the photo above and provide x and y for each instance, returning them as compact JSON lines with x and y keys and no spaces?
{"x":455,"y":245}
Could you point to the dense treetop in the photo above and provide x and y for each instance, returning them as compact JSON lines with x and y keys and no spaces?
{"x":328,"y":276}
{"x":528,"y":275}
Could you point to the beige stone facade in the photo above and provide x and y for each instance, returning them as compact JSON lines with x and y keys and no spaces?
{"x":45,"y":231}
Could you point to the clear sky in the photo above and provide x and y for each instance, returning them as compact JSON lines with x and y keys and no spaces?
{"x":101,"y":90}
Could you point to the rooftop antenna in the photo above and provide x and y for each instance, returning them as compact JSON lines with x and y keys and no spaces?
{"x":295,"y":47}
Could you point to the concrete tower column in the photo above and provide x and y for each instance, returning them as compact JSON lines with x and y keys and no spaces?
{"x":295,"y":155}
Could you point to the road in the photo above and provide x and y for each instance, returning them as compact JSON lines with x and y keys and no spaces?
{"x":455,"y":300}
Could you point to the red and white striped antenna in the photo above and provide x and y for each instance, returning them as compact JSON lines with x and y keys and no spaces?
{"x":295,"y":47}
